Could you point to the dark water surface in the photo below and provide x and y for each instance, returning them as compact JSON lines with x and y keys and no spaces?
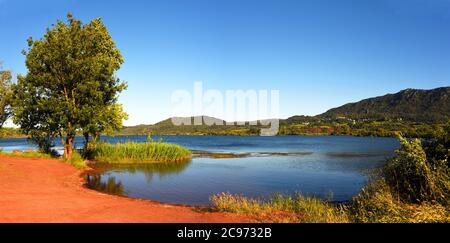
{"x":323,"y":166}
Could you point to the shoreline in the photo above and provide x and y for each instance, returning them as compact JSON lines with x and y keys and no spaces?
{"x":48,"y":190}
{"x":223,"y":135}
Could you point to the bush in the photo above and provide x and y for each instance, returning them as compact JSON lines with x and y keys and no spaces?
{"x":413,"y":178}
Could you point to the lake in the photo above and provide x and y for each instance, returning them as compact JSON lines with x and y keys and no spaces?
{"x":330,"y":167}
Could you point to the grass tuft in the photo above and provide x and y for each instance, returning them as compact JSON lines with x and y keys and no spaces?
{"x":77,"y":161}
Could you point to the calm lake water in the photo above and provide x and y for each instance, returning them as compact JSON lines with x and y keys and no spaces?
{"x":323,"y":166}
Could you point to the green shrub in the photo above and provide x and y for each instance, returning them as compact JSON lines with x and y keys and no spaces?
{"x":413,"y":178}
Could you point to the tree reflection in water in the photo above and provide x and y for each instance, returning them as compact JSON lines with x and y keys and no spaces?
{"x":111,"y":186}
{"x":94,"y":181}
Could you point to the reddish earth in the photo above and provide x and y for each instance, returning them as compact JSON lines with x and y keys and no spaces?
{"x":46,"y":190}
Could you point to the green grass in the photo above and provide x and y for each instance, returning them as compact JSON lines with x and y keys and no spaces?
{"x":77,"y":161}
{"x":281,"y":208}
{"x":28,"y":154}
{"x":133,"y":153}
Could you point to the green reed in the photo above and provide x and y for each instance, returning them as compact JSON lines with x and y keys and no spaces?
{"x":132,"y":152}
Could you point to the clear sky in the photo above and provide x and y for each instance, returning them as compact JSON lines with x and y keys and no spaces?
{"x":319,"y":54}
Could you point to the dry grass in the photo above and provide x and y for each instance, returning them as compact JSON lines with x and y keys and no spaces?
{"x":377,"y":204}
{"x":279,"y":208}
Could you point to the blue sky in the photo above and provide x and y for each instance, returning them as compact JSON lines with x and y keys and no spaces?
{"x":319,"y":54}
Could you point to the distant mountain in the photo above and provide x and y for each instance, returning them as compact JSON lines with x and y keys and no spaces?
{"x":299,"y":119}
{"x":209,"y":126}
{"x":410,"y":104}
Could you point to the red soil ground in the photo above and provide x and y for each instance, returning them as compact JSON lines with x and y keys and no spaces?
{"x":45,"y":190}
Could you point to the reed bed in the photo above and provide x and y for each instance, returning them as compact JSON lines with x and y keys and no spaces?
{"x":134,"y":153}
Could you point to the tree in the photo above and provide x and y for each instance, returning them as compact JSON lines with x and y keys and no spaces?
{"x":103,"y":119}
{"x":5,"y":95}
{"x":70,"y":86}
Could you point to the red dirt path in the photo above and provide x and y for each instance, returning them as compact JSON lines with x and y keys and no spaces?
{"x":46,"y":190}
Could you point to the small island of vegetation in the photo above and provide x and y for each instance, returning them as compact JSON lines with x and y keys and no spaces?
{"x":136,"y":153}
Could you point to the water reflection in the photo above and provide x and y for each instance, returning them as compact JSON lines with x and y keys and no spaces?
{"x":161,"y":169}
{"x":110,"y":186}
{"x":96,"y":180}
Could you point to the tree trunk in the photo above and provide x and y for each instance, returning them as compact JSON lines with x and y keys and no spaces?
{"x":95,"y":137}
{"x":86,"y":140}
{"x":48,"y":144}
{"x":63,"y":144}
{"x":68,"y":150}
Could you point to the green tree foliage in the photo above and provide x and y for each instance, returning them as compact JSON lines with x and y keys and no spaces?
{"x":5,"y":95}
{"x":104,"y":119}
{"x":71,"y":85}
